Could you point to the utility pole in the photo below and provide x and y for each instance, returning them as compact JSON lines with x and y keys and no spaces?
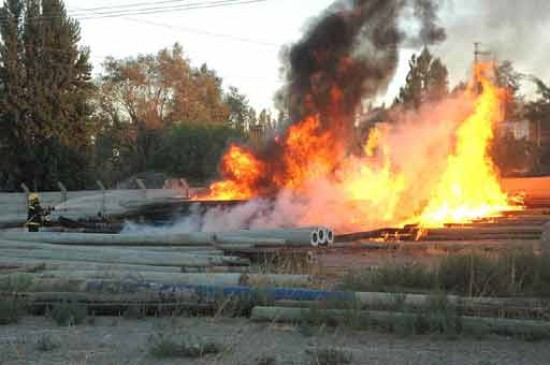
{"x":478,"y":53}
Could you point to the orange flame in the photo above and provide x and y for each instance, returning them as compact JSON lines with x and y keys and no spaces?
{"x":469,"y":188}
{"x":243,"y":171}
{"x":370,"y":188}
{"x":308,"y":154}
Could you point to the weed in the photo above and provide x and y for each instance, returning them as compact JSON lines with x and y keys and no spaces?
{"x":288,"y":263}
{"x":164,"y":346}
{"x":484,"y":275}
{"x":92,"y":320}
{"x":473,"y":274}
{"x":135,"y":312}
{"x":266,"y":360}
{"x":47,"y":342}
{"x":402,"y":325}
{"x":239,"y":306}
{"x":439,"y":317}
{"x":68,"y":313}
{"x":329,"y":356}
{"x":389,"y":277}
{"x":16,"y":283}
{"x":10,"y":310}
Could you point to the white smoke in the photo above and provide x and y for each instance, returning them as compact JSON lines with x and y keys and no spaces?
{"x":385,"y":190}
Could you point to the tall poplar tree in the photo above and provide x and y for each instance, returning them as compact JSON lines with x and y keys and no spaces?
{"x":427,"y":80}
{"x":45,"y":85}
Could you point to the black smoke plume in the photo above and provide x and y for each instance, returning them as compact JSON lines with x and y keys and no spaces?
{"x":352,"y":48}
{"x":349,"y":54}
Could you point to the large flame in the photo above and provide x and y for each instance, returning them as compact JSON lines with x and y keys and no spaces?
{"x":382,"y":184}
{"x":469,"y":188}
{"x":243,"y":170}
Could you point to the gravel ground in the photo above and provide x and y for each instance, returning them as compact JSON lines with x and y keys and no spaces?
{"x":124,"y":341}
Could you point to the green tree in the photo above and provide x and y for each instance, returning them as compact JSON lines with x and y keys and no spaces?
{"x":538,"y":112}
{"x":202,"y":100}
{"x":193,"y":151}
{"x":163,"y":89}
{"x":513,"y":156}
{"x":45,"y":85}
{"x":508,"y":78}
{"x":239,"y":108}
{"x":427,"y":80}
{"x":539,"y":109}
{"x":142,"y":99}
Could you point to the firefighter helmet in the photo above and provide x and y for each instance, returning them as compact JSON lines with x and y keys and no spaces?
{"x":33,"y":197}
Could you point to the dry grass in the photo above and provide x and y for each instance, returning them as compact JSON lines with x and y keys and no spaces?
{"x":329,"y":356}
{"x":15,"y":282}
{"x":68,"y":313}
{"x":470,"y":274}
{"x":47,"y":343}
{"x":171,"y":346}
{"x":10,"y":310}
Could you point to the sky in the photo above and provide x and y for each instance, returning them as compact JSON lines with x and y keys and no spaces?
{"x":242,"y":42}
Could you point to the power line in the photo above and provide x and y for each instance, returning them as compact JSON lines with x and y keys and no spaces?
{"x":200,"y":31}
{"x":205,"y":33}
{"x":163,"y":9}
{"x":197,"y":5}
{"x":131,"y":5}
{"x":185,"y":29}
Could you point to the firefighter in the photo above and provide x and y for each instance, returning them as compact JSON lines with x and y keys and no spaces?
{"x":35,"y":215}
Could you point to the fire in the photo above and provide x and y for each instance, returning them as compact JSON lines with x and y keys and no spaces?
{"x":469,"y":188}
{"x":372,"y":181}
{"x":307,"y":154}
{"x":243,"y":171}
{"x":382,"y":183}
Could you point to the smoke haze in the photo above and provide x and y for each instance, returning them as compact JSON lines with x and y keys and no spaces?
{"x":349,"y":54}
{"x":512,"y":30}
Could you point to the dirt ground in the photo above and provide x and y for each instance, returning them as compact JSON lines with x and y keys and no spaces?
{"x":113,"y":341}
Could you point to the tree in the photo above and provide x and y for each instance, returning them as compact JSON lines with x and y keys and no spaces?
{"x":238,"y":109}
{"x":193,"y":151}
{"x":202,"y":100}
{"x":539,"y":109}
{"x":163,"y":89}
{"x":45,"y":85}
{"x":513,"y":156}
{"x":427,"y":80}
{"x":142,"y":87}
{"x":144,"y":98}
{"x":509,"y":79}
{"x":538,"y":112}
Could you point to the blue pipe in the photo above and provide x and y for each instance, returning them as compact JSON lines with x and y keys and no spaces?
{"x":211,"y":293}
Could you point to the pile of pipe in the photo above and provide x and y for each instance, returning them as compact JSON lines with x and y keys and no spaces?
{"x":297,"y":237}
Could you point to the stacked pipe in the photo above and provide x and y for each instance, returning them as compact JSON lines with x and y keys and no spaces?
{"x":309,"y":236}
{"x":191,"y":252}
{"x":313,"y":236}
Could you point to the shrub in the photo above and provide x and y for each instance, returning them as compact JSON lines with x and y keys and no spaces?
{"x":515,"y":273}
{"x":15,"y":283}
{"x":47,"y":342}
{"x":10,"y":311}
{"x":69,"y":313}
{"x":329,"y":356}
{"x":165,"y":346}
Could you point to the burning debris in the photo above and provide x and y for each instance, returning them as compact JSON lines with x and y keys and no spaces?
{"x":430,"y":167}
{"x":349,"y":55}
